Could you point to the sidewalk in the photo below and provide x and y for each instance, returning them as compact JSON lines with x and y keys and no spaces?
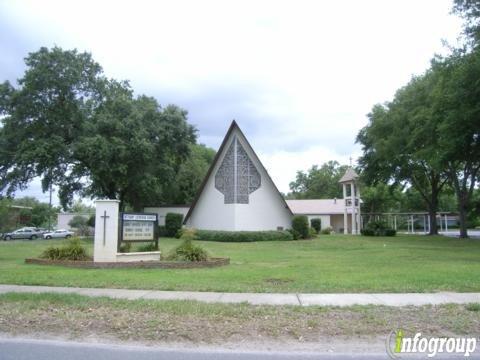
{"x":390,"y":299}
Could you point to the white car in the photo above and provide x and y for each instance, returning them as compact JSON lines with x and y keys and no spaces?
{"x":61,"y":233}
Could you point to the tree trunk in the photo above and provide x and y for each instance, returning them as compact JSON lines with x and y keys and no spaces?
{"x":462,"y":212}
{"x":433,"y":222}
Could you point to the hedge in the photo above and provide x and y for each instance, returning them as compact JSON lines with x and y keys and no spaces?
{"x":300,"y":226}
{"x":243,"y":236}
{"x":316,"y":223}
{"x":173,"y":223}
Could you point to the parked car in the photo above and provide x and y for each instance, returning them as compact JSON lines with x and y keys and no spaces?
{"x":23,"y":233}
{"x":60,"y":233}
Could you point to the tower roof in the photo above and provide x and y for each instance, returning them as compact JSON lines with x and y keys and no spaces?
{"x":350,"y":175}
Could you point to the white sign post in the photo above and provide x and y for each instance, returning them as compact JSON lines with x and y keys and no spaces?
{"x":106,"y":231}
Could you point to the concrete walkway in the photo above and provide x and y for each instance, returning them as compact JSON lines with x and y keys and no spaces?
{"x":390,"y":299}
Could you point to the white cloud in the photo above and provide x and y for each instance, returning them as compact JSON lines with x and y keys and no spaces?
{"x":299,"y":76}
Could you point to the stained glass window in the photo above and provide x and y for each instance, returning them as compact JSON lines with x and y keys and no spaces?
{"x":237,"y":177}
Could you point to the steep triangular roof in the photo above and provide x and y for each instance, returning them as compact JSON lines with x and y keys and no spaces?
{"x":350,"y":175}
{"x":233,"y":126}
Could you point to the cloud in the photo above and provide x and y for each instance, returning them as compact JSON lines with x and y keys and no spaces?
{"x":299,"y":77}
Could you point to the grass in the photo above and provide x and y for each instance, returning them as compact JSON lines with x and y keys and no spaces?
{"x":75,"y":316}
{"x":335,"y":263}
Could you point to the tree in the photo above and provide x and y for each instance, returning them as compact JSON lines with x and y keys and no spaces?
{"x":79,"y":223}
{"x":191,"y":174}
{"x":132,"y":150}
{"x":45,"y":115}
{"x":469,"y":10}
{"x":380,"y":198}
{"x":88,"y":135}
{"x":458,"y":109}
{"x":79,"y":206}
{"x":318,"y":183}
{"x":398,"y":145}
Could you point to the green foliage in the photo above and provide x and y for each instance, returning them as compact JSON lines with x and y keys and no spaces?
{"x":162,"y":231}
{"x":318,"y":183}
{"x":316,"y":223}
{"x":470,"y":11}
{"x":327,"y":231}
{"x":300,"y":225}
{"x":79,"y":206}
{"x":295,"y":234}
{"x":80,"y":223}
{"x":148,"y":247}
{"x":126,"y":247}
{"x":72,"y":250}
{"x":66,"y":123}
{"x":242,"y":236}
{"x":91,"y":221}
{"x":190,"y":175}
{"x":377,"y":228}
{"x":173,"y":223}
{"x":473,"y":307}
{"x":186,"y":251}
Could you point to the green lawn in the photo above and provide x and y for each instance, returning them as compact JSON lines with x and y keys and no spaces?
{"x":335,"y":263}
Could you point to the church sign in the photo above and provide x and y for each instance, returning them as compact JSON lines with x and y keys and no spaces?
{"x":138,"y":227}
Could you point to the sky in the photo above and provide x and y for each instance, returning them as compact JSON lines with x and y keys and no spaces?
{"x":299,"y":77}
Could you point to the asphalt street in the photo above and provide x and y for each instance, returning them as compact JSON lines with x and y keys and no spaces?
{"x":28,"y":349}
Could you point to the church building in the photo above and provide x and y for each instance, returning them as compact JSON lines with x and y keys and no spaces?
{"x":237,"y":194}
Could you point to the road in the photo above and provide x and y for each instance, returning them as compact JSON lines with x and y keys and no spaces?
{"x":28,"y":349}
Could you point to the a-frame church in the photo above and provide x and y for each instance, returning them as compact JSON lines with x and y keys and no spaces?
{"x":237,"y":192}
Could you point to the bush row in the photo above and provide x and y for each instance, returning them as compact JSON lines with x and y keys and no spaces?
{"x":242,"y":236}
{"x":378,"y":228}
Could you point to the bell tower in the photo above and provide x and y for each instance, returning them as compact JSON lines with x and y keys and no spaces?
{"x":351,"y":198}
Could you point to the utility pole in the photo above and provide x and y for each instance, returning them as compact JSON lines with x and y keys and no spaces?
{"x":50,"y":210}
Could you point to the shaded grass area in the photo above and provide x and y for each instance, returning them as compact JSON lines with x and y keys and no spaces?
{"x":335,"y":263}
{"x":75,"y":317}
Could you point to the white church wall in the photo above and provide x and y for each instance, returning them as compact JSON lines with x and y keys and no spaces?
{"x":64,"y":218}
{"x":265,"y":211}
{"x":162,"y":211}
{"x":325,"y":219}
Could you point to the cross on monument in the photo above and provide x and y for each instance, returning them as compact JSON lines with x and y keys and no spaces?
{"x":104,"y":217}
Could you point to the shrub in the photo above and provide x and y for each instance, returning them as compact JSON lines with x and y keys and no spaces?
{"x":367,"y":232}
{"x":179,"y":234}
{"x":390,"y":232}
{"x":125,"y":247}
{"x":79,"y":223}
{"x":72,"y":250}
{"x":162,"y":231}
{"x":295,"y":234}
{"x":173,"y":223}
{"x":377,"y":228}
{"x":186,"y":251}
{"x":327,"y":231}
{"x":300,"y":224}
{"x":312,"y":233}
{"x":148,"y":247}
{"x":316,"y":223}
{"x":243,"y":236}
{"x":91,"y":221}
